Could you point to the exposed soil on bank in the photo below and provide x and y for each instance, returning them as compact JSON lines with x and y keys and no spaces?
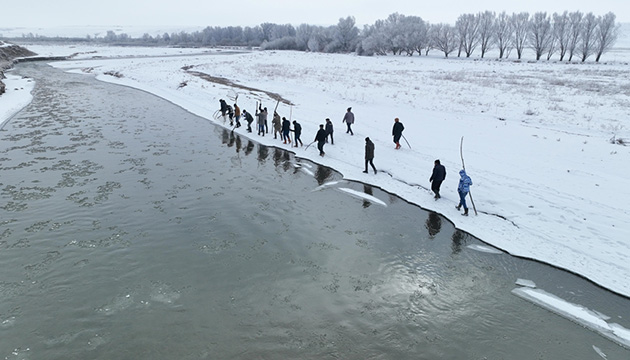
{"x":228,"y":82}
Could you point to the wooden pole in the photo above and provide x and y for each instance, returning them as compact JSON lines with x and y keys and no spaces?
{"x":461,"y":154}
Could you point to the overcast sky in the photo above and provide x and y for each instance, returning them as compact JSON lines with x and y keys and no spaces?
{"x":52,"y":13}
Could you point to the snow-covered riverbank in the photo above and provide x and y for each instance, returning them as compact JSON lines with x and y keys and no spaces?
{"x":549,"y":184}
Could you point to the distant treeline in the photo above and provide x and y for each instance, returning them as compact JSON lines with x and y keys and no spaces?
{"x":567,"y":35}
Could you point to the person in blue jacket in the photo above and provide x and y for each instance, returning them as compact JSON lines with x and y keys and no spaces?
{"x":463,"y":188}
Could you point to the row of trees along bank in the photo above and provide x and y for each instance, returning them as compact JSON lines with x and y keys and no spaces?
{"x":567,"y":35}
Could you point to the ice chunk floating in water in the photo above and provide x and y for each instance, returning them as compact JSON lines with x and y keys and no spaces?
{"x":599,"y":352}
{"x":526,"y":283}
{"x":325,"y":185}
{"x":307,"y":171}
{"x":365,"y":196}
{"x":486,"y":249}
{"x":590,"y":319}
{"x":303,"y":167}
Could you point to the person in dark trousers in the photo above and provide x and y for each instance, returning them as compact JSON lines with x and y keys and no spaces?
{"x":276,"y":122}
{"x":264,"y":115}
{"x":329,"y":131}
{"x":260,"y":121}
{"x":397,"y":132}
{"x":297,"y":130}
{"x":438,"y":175}
{"x":224,"y":107}
{"x":230,"y":114}
{"x":286,"y":128}
{"x":369,"y":154}
{"x":320,"y":137}
{"x":463,"y":188}
{"x":237,"y":115}
{"x":348,"y":118}
{"x":249,"y":119}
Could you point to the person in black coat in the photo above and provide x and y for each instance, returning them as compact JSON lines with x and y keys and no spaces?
{"x":329,"y":131}
{"x":249,"y":119}
{"x":397,"y":132}
{"x":286,"y":128}
{"x":320,"y":137}
{"x":297,"y":130}
{"x":369,"y":154}
{"x":224,"y":107}
{"x":438,"y":175}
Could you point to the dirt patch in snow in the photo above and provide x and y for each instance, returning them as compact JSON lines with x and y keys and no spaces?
{"x":228,"y":82}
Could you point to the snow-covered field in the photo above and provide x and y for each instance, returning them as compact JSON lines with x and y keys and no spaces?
{"x":548,"y":181}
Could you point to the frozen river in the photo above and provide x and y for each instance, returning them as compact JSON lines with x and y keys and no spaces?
{"x":131,"y":229}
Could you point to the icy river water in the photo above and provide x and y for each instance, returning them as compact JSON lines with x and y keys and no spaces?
{"x":132,"y":229}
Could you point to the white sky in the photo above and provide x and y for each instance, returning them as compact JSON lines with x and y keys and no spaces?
{"x":47,"y":13}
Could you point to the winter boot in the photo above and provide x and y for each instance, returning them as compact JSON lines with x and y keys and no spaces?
{"x":465,"y":212}
{"x":458,"y":207}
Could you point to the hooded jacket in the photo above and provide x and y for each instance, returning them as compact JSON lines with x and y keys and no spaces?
{"x":464,"y":182}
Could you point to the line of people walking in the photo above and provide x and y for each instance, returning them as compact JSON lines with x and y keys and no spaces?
{"x":282,"y":127}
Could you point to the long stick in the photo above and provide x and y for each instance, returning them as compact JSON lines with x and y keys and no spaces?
{"x":461,"y":154}
{"x":291,"y":114}
{"x":309,"y":145}
{"x":403,"y":136}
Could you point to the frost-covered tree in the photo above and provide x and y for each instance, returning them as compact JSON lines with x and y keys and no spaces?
{"x":520,"y":27}
{"x":411,"y":34}
{"x":319,"y":40}
{"x":560,"y":28}
{"x":266,"y":31}
{"x":587,"y":36}
{"x":393,"y":33}
{"x":487,"y":20}
{"x":605,"y":35}
{"x":444,"y":38}
{"x":374,"y":39}
{"x":346,"y":34}
{"x":303,"y":34}
{"x":467,"y":26}
{"x":416,"y":31}
{"x":503,"y":33}
{"x":540,"y":34}
{"x":575,"y":29}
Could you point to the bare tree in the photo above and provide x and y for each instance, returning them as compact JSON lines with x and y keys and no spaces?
{"x":520,"y":26}
{"x":587,"y":36}
{"x":503,"y":33}
{"x":605,"y":35}
{"x":444,"y":38}
{"x":540,"y":34}
{"x":487,"y":21}
{"x":560,"y":28}
{"x":575,"y":29}
{"x":467,"y":26}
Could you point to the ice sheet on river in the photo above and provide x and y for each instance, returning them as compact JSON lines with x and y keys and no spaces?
{"x":364,"y":196}
{"x":590,"y":319}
